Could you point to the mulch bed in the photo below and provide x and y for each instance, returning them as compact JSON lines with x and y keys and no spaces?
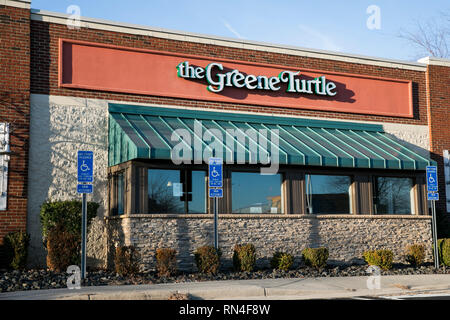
{"x":36,"y":279}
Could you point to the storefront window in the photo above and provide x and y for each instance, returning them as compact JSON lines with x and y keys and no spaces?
{"x":256,"y":193}
{"x":328,"y":194}
{"x":393,"y":195}
{"x":120,"y":193}
{"x":176,"y":191}
{"x":197,"y":201}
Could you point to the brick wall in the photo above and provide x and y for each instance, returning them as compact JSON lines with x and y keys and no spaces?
{"x":15,"y":109}
{"x":44,"y":66}
{"x":438,"y":82}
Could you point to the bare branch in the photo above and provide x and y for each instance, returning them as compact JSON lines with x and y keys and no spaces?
{"x":431,"y":37}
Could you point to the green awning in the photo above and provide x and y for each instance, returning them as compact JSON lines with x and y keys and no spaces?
{"x":137,"y":132}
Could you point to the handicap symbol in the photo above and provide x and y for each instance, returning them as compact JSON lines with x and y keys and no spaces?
{"x":214,"y":172}
{"x":431,"y":179}
{"x":84,"y":167}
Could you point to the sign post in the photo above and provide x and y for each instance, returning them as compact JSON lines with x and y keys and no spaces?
{"x":433,"y":196}
{"x":215,"y":185}
{"x":85,"y":174}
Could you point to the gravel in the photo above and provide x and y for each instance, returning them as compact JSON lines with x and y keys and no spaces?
{"x":36,"y":279}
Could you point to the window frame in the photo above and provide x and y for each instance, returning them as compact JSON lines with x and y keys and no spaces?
{"x":253,"y":170}
{"x":292,"y":187}
{"x":351,"y":193}
{"x":414,"y":193}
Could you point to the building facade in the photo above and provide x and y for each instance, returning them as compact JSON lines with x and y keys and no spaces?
{"x":348,"y":138}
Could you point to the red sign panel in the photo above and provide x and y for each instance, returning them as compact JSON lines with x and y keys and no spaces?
{"x":128,"y":70}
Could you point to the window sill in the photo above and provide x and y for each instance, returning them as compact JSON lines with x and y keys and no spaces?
{"x":267,"y":216}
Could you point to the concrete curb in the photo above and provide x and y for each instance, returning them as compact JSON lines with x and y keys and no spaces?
{"x":263,"y":289}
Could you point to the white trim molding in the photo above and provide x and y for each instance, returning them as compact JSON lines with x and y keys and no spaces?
{"x":4,"y":160}
{"x":446,"y":156}
{"x":435,"y":61}
{"x":106,"y":25}
{"x":24,"y":4}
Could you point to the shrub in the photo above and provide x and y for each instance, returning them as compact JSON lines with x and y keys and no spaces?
{"x":444,"y":251}
{"x":63,"y":248}
{"x":381,"y":258}
{"x":244,"y":257}
{"x":282,"y":261}
{"x":415,"y":254}
{"x":16,"y":249}
{"x":126,"y":261}
{"x":315,"y":257}
{"x":166,"y":262}
{"x":67,"y":213}
{"x":207,"y":259}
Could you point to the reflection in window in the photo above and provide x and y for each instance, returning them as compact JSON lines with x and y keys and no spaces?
{"x":256,"y":193}
{"x":393,"y":195}
{"x":328,"y":194}
{"x":176,"y":191}
{"x":120,"y":193}
{"x":197,"y":194}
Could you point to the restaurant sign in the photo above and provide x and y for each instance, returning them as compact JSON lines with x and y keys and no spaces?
{"x":218,"y":80}
{"x":95,"y":66}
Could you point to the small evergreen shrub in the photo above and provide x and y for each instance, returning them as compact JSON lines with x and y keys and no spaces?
{"x":244,"y":257}
{"x":381,"y":258}
{"x":207,"y":259}
{"x":282,"y":261}
{"x":315,"y":257}
{"x":16,"y":249}
{"x":444,"y":251}
{"x":63,"y":248}
{"x":126,"y":261}
{"x":415,"y":254}
{"x":166,"y":262}
{"x":67,"y":213}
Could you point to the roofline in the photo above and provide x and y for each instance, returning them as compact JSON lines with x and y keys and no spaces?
{"x":23,"y":4}
{"x":435,"y":61}
{"x":107,"y":25}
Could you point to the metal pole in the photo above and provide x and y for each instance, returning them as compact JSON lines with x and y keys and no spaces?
{"x":435,"y":247}
{"x":216,"y":234}
{"x":83,"y":236}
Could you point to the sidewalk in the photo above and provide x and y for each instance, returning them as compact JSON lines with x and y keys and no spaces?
{"x":270,"y":289}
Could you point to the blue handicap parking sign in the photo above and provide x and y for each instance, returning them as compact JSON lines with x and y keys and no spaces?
{"x":85,"y":165}
{"x":215,"y":172}
{"x":216,"y":193}
{"x":432,"y":183}
{"x":84,"y":188}
{"x":433,"y":196}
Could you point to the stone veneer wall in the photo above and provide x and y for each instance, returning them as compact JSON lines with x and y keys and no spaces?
{"x":346,"y":237}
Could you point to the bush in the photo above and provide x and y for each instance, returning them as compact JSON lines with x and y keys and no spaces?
{"x":381,"y":258}
{"x":415,"y":254}
{"x":126,"y":261}
{"x":67,"y":213}
{"x":244,"y":257}
{"x":207,"y":259}
{"x":166,"y":262}
{"x":282,"y":261}
{"x":315,"y":257}
{"x":63,"y":248}
{"x":16,"y":249}
{"x":444,"y":251}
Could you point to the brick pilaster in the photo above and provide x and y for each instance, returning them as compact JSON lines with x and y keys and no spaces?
{"x":15,"y":108}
